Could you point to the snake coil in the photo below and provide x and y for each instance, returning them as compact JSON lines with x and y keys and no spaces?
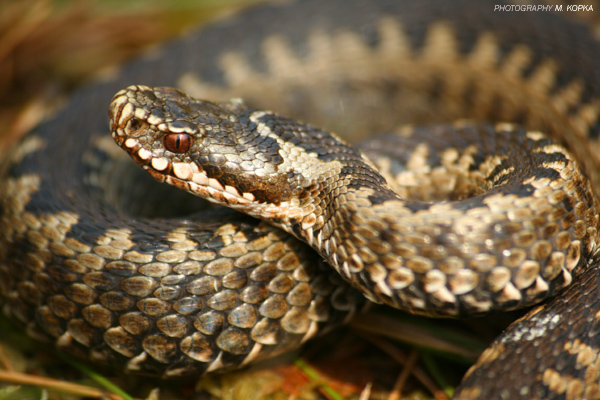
{"x":90,"y":260}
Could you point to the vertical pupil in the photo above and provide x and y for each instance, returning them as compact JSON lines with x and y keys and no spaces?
{"x":178,"y":142}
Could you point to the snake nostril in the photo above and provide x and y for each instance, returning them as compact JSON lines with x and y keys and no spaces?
{"x":136,"y":127}
{"x":178,"y":142}
{"x":135,"y":124}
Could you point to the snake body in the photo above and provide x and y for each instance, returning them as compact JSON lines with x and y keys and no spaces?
{"x":83,"y":263}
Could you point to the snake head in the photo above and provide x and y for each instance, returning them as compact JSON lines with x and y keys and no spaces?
{"x":196,"y":145}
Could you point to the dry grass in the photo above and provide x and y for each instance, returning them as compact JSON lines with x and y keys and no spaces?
{"x":48,"y":48}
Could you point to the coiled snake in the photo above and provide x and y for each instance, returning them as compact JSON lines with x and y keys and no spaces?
{"x":89,"y":260}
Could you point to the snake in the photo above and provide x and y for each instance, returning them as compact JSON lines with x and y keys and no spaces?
{"x":478,"y":197}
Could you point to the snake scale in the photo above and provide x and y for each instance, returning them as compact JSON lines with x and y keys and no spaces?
{"x":93,"y":261}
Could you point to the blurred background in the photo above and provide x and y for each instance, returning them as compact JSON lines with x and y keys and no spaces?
{"x":49,"y":47}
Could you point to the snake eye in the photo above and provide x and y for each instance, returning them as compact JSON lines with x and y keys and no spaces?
{"x":178,"y":142}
